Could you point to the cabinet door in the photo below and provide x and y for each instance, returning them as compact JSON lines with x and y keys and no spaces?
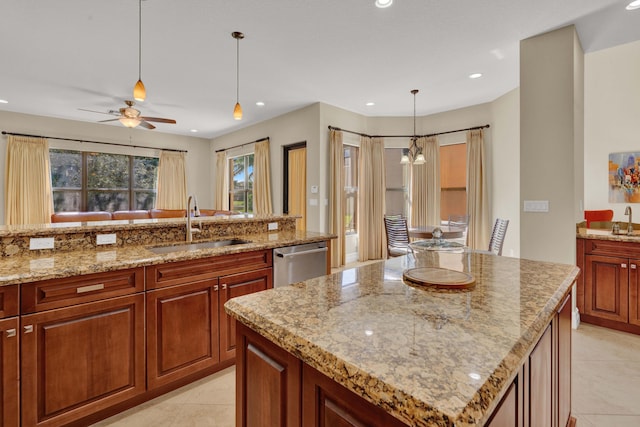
{"x":9,"y":384}
{"x":634,"y":292}
{"x":506,"y":415}
{"x":541,"y":383}
{"x":563,"y":334}
{"x":235,"y":286}
{"x":81,"y":359}
{"x":182,"y":331}
{"x":607,"y":287}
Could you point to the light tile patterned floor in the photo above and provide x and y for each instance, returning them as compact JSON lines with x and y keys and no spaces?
{"x":606,"y":389}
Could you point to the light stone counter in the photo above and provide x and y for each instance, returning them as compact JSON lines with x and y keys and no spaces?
{"x":429,"y":358}
{"x":606,"y":234}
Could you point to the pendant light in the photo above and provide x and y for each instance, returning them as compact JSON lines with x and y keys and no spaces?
{"x":413,"y":154}
{"x":139,"y":92}
{"x":237,"y":111}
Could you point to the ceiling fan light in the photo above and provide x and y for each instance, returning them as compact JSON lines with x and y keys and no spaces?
{"x":139,"y":92}
{"x":237,"y":112}
{"x":129,"y":122}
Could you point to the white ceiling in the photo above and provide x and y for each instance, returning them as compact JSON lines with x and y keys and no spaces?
{"x":59,"y":56}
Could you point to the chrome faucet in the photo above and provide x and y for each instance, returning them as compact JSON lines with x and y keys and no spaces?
{"x":627,"y":211}
{"x":190,"y":229}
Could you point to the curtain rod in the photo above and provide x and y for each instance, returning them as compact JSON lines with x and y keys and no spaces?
{"x":92,"y":142}
{"x":409,"y":136}
{"x":266,"y":138}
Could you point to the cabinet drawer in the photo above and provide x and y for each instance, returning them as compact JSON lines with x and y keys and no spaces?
{"x":176,"y":273}
{"x":9,"y":300}
{"x":608,"y":247}
{"x":56,"y":293}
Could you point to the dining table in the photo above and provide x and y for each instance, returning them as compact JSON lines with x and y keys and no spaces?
{"x":426,"y":231}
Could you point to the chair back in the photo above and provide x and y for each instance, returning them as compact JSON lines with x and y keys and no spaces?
{"x":460,"y":221}
{"x":497,"y":236}
{"x":600,"y":215}
{"x":397,"y":232}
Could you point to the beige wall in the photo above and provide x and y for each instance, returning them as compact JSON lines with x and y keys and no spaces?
{"x":198,"y":162}
{"x":612,"y":114}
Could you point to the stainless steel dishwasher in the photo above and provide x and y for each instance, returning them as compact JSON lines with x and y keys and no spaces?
{"x":293,"y":264}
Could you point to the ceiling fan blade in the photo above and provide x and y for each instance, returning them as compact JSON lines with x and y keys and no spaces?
{"x":110,"y":120}
{"x":94,"y":111}
{"x":159,"y":120}
{"x":147,"y":125}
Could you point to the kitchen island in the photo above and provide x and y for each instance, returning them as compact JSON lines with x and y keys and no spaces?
{"x":361,"y":347}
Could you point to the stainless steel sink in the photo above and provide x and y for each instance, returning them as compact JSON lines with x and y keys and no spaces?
{"x":196,"y":246}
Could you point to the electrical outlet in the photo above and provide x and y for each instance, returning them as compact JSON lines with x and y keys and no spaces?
{"x":106,"y":239}
{"x":272,"y":226}
{"x":40,"y":243}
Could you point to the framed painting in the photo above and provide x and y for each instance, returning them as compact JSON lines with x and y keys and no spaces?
{"x":624,"y":177}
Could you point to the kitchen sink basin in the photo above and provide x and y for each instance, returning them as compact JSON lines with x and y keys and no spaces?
{"x":196,"y":246}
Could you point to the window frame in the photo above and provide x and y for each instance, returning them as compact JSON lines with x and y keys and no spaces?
{"x":246,"y":190}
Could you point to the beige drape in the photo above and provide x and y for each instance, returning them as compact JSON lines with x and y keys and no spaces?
{"x":297,"y":184}
{"x":336,"y":195}
{"x":371,"y":197}
{"x":477,"y":196}
{"x":262,"y":179}
{"x":27,"y":190}
{"x":222,"y":182}
{"x":425,"y":185}
{"x":172,"y":181}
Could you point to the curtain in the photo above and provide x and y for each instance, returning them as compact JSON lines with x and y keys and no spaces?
{"x":262,"y":180}
{"x":425,"y":185}
{"x":371,"y":194}
{"x":297,"y":184}
{"x":222,"y":182}
{"x":336,"y":195}
{"x":28,"y":198}
{"x":477,"y":196}
{"x":172,"y":181}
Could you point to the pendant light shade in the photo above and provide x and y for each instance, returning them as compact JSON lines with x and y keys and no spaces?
{"x":139,"y":92}
{"x":237,"y":111}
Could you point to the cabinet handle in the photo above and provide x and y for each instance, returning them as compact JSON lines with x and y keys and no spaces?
{"x":633,"y":266}
{"x":623,"y":265}
{"x":28,"y":329}
{"x":90,"y":288}
{"x":224,"y":286}
{"x":11,"y":333}
{"x":215,"y":288}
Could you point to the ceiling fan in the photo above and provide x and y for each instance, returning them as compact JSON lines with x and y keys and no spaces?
{"x":130,"y":117}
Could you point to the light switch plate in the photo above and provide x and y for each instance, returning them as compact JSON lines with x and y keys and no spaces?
{"x":106,"y":239}
{"x":536,"y":206}
{"x":272,"y":226}
{"x":40,"y":243}
{"x":313,"y":202}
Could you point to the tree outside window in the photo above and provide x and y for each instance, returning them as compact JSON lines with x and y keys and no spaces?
{"x":241,"y":183}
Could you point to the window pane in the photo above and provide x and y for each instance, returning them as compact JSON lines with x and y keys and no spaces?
{"x":237,"y":174}
{"x":107,"y":200}
{"x":453,"y":180}
{"x":249,"y":176}
{"x":249,"y":202}
{"x":107,"y":171}
{"x":66,"y":169}
{"x":397,"y":180}
{"x":144,"y":200}
{"x":239,"y":203}
{"x":351,"y":189}
{"x":145,"y":173}
{"x":66,"y":201}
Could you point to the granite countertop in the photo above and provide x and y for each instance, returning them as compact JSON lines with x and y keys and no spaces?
{"x":606,"y":234}
{"x":56,"y":264}
{"x":428,"y":357}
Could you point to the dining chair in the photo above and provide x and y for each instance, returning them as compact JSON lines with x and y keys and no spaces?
{"x":497,"y":236}
{"x":397,"y":232}
{"x":460,"y":221}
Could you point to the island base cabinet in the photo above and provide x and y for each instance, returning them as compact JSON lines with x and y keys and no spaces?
{"x":9,"y":373}
{"x":81,"y":359}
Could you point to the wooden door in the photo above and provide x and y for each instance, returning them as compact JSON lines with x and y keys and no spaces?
{"x":81,"y":359}
{"x":234,"y":286}
{"x":606,"y":285}
{"x":541,"y":383}
{"x":634,"y":292}
{"x":182,"y":331}
{"x":295,"y":188}
{"x":9,"y":374}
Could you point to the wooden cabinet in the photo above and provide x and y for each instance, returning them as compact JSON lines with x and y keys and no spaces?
{"x":540,"y":379}
{"x":608,"y":291}
{"x":81,"y":359}
{"x":9,"y":357}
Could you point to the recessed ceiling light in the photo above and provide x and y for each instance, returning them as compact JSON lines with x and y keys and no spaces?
{"x":3,"y":101}
{"x":633,"y":5}
{"x":475,"y":75}
{"x":194,"y":130}
{"x":370,"y":104}
{"x":383,"y":3}
{"x":260,"y":104}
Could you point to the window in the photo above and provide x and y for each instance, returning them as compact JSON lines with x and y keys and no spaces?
{"x":453,"y":180}
{"x":241,"y":183}
{"x":86,"y":181}
{"x":397,"y":179}
{"x":351,"y":189}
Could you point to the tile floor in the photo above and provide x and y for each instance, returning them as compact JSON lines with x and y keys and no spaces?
{"x":606,"y":389}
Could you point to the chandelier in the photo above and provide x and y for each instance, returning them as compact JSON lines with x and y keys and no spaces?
{"x":413,"y":154}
